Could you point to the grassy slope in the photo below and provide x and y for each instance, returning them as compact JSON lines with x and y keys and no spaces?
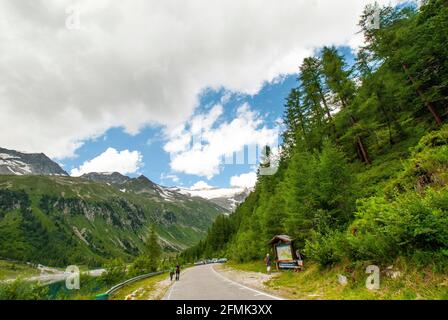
{"x":315,"y":283}
{"x":396,"y":166}
{"x":12,"y":270}
{"x":191,"y":218}
{"x":147,"y":289}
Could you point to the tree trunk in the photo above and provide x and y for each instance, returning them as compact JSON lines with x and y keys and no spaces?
{"x":327,"y":111}
{"x":386,"y":115}
{"x":362,"y":151}
{"x":420,"y":93}
{"x":324,"y":101}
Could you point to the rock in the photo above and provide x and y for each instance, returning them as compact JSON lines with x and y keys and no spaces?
{"x":342,"y":280}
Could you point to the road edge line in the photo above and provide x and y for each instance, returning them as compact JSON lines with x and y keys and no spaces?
{"x":168,"y":296}
{"x":246,"y":287}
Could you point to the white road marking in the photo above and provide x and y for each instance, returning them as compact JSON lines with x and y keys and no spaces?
{"x":244,"y":287}
{"x":168,"y":297}
{"x":171,"y":291}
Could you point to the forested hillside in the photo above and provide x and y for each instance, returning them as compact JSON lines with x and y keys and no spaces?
{"x":57,"y":220}
{"x":364,"y":164}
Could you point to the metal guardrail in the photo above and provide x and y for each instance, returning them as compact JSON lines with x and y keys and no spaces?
{"x":117,"y":287}
{"x":132,"y":280}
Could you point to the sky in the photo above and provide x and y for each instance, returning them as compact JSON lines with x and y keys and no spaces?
{"x":180,"y":91}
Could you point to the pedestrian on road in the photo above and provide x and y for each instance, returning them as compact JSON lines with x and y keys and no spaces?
{"x":177,"y":272}
{"x":172,"y":270}
{"x":267,"y":260}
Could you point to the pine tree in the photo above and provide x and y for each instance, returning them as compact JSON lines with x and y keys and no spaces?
{"x":153,"y":248}
{"x":295,"y":122}
{"x":343,"y":89}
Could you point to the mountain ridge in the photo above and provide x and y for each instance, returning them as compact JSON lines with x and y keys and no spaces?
{"x":227,"y":198}
{"x":20,"y":163}
{"x":49,"y":217}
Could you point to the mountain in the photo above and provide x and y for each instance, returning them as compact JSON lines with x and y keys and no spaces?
{"x":231,"y":202}
{"x":141,"y":185}
{"x":18,"y":163}
{"x":57,"y":220}
{"x":106,"y":177}
{"x":51,"y":218}
{"x":227,"y":198}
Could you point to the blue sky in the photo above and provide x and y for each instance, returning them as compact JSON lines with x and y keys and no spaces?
{"x":125,"y":87}
{"x":150,"y":141}
{"x":268,"y":102}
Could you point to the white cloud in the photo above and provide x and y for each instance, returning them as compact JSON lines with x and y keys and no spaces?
{"x":169,"y":177}
{"x":245,"y":180}
{"x":199,"y":147}
{"x":111,"y":160}
{"x":201,"y":185}
{"x":141,"y":62}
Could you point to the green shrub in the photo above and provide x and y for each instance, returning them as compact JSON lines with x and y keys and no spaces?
{"x":410,"y":223}
{"x":115,"y":272}
{"x":327,"y":249}
{"x":247,"y":247}
{"x":23,"y":290}
{"x":141,"y":265}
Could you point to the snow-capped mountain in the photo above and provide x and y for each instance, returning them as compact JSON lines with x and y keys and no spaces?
{"x":140,"y":185}
{"x":227,"y":198}
{"x":17,"y":163}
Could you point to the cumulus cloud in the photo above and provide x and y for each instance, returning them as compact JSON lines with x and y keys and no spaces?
{"x":169,"y":177}
{"x":111,"y":160}
{"x":137,"y":63}
{"x":201,"y":185}
{"x":142,"y":62}
{"x":245,"y":180}
{"x":200,"y":146}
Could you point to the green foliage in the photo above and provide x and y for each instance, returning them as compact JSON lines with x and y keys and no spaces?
{"x":406,"y":225}
{"x":59,"y":221}
{"x":141,"y":265}
{"x":22,"y":290}
{"x":153,"y":247}
{"x":151,"y":260}
{"x":115,"y":272}
{"x":326,"y":249}
{"x":363,"y":173}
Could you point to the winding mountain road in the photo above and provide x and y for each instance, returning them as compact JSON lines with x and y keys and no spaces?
{"x":206,"y":283}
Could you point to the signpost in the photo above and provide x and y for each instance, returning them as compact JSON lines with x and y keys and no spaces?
{"x":286,"y":258}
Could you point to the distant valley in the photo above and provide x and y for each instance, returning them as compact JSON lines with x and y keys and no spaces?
{"x":49,"y":217}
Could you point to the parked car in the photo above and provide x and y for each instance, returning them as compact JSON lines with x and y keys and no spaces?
{"x":222,"y":260}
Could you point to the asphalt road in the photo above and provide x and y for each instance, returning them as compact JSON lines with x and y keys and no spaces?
{"x":206,"y":283}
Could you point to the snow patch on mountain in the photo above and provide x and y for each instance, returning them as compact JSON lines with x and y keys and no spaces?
{"x":228,"y":198}
{"x":19,"y":163}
